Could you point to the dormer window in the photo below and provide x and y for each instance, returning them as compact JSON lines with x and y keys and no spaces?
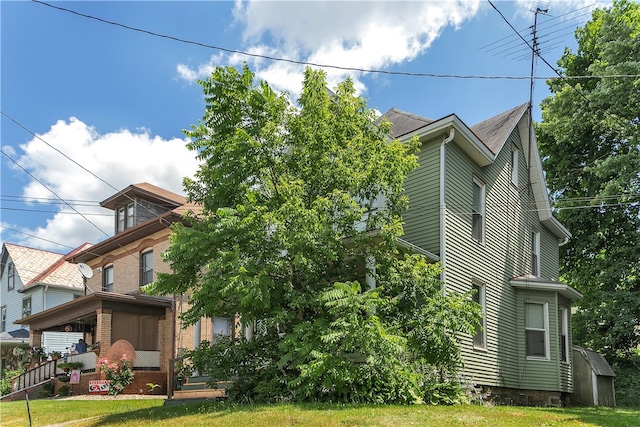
{"x":125,"y":217}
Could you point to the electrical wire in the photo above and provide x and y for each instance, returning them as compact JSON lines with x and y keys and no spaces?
{"x":53,"y":192}
{"x":314,"y":64}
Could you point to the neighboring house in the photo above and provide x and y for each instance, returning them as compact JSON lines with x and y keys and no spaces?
{"x":33,"y":280}
{"x":479,"y":202}
{"x":115,"y":308}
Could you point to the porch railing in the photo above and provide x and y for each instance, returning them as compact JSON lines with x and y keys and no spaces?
{"x":31,"y":377}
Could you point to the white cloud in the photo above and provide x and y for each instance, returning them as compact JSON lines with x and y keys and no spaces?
{"x":356,"y":34}
{"x":118,"y":158}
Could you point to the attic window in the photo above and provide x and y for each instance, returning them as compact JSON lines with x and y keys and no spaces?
{"x":125,"y":217}
{"x":514,"y":165}
{"x":11,"y":273}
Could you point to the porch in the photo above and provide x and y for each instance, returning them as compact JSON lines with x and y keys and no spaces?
{"x":104,"y":318}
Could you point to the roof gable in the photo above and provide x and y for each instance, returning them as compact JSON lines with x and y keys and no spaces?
{"x":37,"y":266}
{"x":495,"y":131}
{"x":30,"y":262}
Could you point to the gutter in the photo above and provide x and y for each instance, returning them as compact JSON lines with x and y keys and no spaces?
{"x":443,"y":206}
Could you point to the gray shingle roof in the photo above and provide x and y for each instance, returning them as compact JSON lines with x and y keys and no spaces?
{"x":494,"y":131}
{"x":597,"y":362}
{"x":404,"y":123}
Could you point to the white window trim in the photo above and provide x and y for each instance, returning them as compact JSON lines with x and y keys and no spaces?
{"x":143,"y":254}
{"x":535,"y":250}
{"x":104,"y":278}
{"x":483,"y":203}
{"x":545,"y":314}
{"x":482,"y":295}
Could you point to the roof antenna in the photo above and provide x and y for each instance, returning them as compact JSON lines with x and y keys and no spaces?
{"x":87,"y":273}
{"x":537,"y":7}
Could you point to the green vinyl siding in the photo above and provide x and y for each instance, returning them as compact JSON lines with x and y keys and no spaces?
{"x":566,"y":368}
{"x":549,"y":255}
{"x":500,"y":257}
{"x":422,"y":219}
{"x":537,"y":374}
{"x":505,"y":253}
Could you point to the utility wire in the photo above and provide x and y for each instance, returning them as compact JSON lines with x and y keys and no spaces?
{"x":313,"y":64}
{"x":4,"y":208}
{"x":76,"y":163}
{"x":53,"y":192}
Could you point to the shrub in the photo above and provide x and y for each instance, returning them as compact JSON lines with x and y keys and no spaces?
{"x":118,"y":373}
{"x":65,"y":390}
{"x":5,"y":382}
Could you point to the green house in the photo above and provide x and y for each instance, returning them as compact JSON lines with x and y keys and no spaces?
{"x":479,"y":202}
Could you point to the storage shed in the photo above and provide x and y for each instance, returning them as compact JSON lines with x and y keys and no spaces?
{"x":593,"y":383}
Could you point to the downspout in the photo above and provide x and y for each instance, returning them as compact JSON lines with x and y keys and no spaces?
{"x":443,"y":206}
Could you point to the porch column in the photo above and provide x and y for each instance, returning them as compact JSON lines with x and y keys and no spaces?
{"x":370,"y":265}
{"x":166,"y":338}
{"x":103,"y":329}
{"x":35,"y":338}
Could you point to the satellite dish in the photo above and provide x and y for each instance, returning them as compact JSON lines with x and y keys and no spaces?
{"x":85,"y":270}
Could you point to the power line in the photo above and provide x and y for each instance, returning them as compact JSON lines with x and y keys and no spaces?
{"x":307,"y":63}
{"x":4,"y":208}
{"x":52,"y":192}
{"x":76,"y":163}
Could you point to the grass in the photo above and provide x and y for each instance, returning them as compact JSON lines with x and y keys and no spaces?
{"x":130,"y":413}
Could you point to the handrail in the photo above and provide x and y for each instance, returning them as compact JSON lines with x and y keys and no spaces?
{"x":40,"y":373}
{"x":175,"y":377}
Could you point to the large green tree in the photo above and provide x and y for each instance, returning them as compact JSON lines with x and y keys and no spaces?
{"x":589,"y":140}
{"x":299,"y":205}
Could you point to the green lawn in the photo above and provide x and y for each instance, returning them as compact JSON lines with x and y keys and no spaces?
{"x":152,"y":413}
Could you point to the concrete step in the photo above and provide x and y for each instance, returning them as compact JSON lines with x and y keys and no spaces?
{"x":190,"y":396}
{"x":195,"y":386}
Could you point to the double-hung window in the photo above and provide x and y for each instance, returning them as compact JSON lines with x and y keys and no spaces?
{"x":3,"y":318}
{"x":107,"y":279}
{"x":221,"y":327}
{"x":535,"y":253}
{"x":563,"y":322}
{"x":478,"y":210}
{"x":11,"y":275}
{"x":125,"y":217}
{"x":480,"y":337}
{"x":146,"y":268}
{"x":537,"y":330}
{"x":26,"y":307}
{"x":514,"y":165}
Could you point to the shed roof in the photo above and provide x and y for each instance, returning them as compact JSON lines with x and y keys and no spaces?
{"x":598,"y":363}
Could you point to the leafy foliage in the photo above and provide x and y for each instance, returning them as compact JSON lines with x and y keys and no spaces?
{"x":119,"y":373}
{"x":5,"y":381}
{"x":299,"y":206}
{"x":590,"y":142}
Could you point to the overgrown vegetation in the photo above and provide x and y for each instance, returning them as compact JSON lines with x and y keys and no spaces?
{"x":5,"y":382}
{"x":301,"y":214}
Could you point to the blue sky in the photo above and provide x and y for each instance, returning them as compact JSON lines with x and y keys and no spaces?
{"x":115,"y":100}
